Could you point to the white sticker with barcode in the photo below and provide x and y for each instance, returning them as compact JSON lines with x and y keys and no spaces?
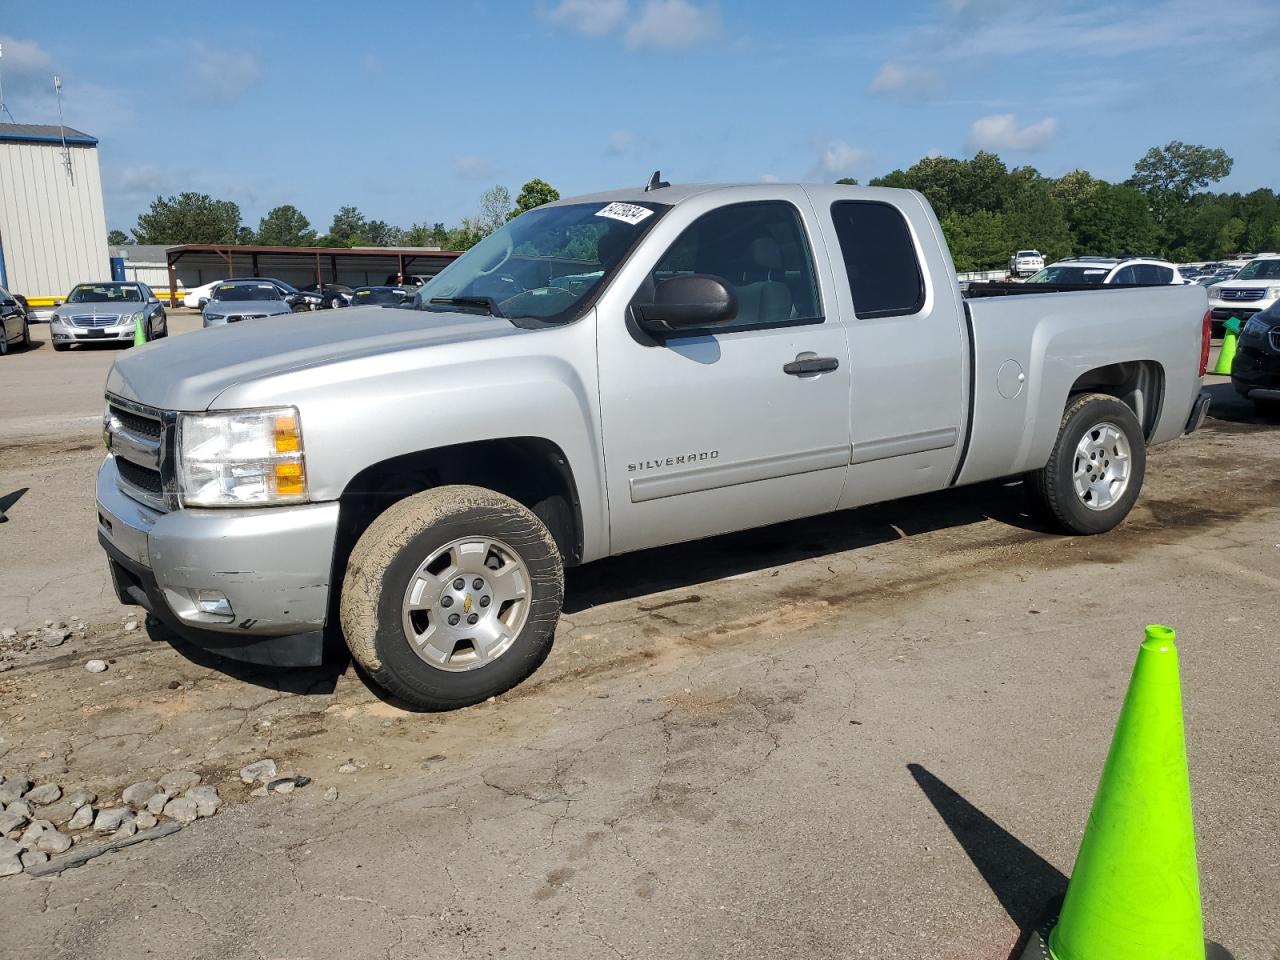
{"x":626,"y":212}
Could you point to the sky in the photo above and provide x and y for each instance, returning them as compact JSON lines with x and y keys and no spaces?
{"x":410,"y":111}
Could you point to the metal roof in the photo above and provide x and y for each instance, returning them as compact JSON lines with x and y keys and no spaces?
{"x":249,"y":248}
{"x":44,"y":133}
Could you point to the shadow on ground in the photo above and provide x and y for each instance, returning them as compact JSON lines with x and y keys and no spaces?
{"x":9,"y":499}
{"x":1227,"y":410}
{"x":687,"y":564}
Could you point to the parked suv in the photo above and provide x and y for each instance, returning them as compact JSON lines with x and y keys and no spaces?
{"x":1254,"y":288}
{"x":1140,"y":271}
{"x":1026,"y":262}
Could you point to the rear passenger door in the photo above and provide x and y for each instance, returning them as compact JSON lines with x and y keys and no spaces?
{"x":908,"y":350}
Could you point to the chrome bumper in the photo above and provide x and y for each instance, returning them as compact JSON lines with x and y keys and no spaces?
{"x":272,"y":564}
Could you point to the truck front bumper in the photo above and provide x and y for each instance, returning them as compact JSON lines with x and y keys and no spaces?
{"x":250,"y":584}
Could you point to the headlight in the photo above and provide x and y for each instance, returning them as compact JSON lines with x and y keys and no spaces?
{"x":1272,"y":293}
{"x":1255,"y":328}
{"x":129,"y":318}
{"x":246,"y":458}
{"x":214,"y":316}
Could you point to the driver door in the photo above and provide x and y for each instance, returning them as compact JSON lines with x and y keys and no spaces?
{"x":714,"y":430}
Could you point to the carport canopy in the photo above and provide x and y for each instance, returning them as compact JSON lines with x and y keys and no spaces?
{"x":199,"y":263}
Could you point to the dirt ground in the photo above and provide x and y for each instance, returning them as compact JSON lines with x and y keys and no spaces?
{"x":874,"y":734}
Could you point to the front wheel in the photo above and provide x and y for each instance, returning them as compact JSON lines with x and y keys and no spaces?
{"x":452,"y":596}
{"x":1095,"y":472}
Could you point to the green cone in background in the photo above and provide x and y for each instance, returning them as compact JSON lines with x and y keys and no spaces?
{"x":1135,"y":890}
{"x":1230,"y":336}
{"x":139,"y":334}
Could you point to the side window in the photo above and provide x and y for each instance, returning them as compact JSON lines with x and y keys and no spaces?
{"x":1126,"y":275}
{"x":760,"y":251}
{"x":1151,"y":273}
{"x":879,"y":259}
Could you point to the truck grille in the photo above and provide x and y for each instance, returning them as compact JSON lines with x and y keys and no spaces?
{"x":140,"y":439}
{"x":144,"y":479}
{"x":88,"y":321}
{"x":1251,"y":293}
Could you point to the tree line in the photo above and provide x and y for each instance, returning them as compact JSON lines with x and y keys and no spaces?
{"x":198,"y":218}
{"x":987,"y":211}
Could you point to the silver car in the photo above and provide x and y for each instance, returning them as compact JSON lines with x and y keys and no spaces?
{"x":239,"y":300}
{"x":110,"y":312}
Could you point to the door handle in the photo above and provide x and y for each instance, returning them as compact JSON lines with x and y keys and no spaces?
{"x":808,"y":364}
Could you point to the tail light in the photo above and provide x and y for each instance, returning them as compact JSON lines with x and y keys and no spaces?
{"x":1205,"y":330}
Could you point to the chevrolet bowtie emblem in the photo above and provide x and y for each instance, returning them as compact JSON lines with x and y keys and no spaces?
{"x":466,"y":604}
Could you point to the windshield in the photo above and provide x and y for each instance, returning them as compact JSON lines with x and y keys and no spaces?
{"x":544,"y":264}
{"x":1260,"y":270}
{"x":375,"y":295}
{"x":105,"y":293}
{"x":246,"y":291}
{"x":1028,"y":253}
{"x":1070,"y":275}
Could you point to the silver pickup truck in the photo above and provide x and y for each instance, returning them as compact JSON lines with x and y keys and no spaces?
{"x":601,"y":375}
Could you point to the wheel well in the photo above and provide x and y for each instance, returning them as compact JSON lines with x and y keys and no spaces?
{"x":1138,"y":384}
{"x":530,"y":470}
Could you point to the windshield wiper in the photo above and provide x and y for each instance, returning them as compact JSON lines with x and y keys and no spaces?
{"x":490,"y":304}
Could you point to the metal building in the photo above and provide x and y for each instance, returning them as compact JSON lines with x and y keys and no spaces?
{"x":53,"y":229}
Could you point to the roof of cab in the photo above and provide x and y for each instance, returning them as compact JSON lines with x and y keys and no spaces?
{"x":671,"y":194}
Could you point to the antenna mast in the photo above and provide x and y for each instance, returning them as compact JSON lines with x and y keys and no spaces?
{"x":66,"y":151}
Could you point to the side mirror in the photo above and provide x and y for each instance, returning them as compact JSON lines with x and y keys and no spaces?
{"x":687,"y":302}
{"x":203,"y":301}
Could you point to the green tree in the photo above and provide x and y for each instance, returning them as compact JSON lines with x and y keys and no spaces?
{"x":285,"y":226}
{"x":116,"y":237}
{"x":534,"y":194}
{"x":978,"y":241}
{"x":1113,"y":219}
{"x":188,"y":218}
{"x":848,"y":181}
{"x":495,"y":209}
{"x":1179,"y":169}
{"x":347,"y":228}
{"x":1034,"y":217}
{"x":379,"y":233}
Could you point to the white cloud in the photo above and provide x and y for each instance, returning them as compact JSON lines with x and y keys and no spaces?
{"x":592,"y":17}
{"x":620,"y":142}
{"x":1000,"y":131}
{"x":841,"y":160}
{"x":769,"y":178}
{"x":224,"y":76}
{"x":472,"y":167}
{"x":24,"y":63}
{"x":673,"y":24}
{"x":134,"y":180}
{"x":896,"y":78}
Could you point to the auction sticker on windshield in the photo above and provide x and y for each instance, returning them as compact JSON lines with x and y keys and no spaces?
{"x":626,"y":212}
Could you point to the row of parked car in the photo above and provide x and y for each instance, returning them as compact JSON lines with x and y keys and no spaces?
{"x":314,"y":296}
{"x":256,"y":298}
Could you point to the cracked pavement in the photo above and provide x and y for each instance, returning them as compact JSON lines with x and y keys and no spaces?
{"x":714,"y":760}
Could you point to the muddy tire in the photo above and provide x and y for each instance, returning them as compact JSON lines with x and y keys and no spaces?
{"x":1095,"y":472}
{"x":452,"y":596}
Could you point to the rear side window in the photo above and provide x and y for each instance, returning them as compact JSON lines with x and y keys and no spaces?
{"x":879,"y":259}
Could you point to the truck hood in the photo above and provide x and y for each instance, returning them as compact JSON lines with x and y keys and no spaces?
{"x":188,"y":372}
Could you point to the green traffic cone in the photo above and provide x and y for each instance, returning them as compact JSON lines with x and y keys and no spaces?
{"x":1135,"y":890}
{"x":139,"y":334}
{"x":1230,"y":335}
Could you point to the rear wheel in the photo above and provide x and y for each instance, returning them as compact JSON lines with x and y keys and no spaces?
{"x":26,"y":333}
{"x":1095,"y":472}
{"x":452,"y":596}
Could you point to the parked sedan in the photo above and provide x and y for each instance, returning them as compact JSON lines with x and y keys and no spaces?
{"x":237,"y":300}
{"x":332,"y":295}
{"x":381,"y":296}
{"x":1255,"y":372}
{"x":14,"y":331}
{"x":111,"y":312}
